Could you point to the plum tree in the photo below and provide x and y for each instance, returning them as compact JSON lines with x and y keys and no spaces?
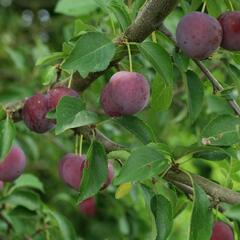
{"x":110,"y":176}
{"x":222,"y":231}
{"x":54,"y":96}
{"x":70,"y":169}
{"x":126,"y":93}
{"x":230,"y":22}
{"x":88,"y":207}
{"x":13,"y":165}
{"x":198,"y":35}
{"x":34,"y":114}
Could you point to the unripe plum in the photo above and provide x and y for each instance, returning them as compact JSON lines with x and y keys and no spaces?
{"x":199,"y":35}
{"x":126,"y":93}
{"x":71,"y":169}
{"x":34,"y":114}
{"x":222,"y":231}
{"x":110,"y":176}
{"x":13,"y":165}
{"x":54,"y":96}
{"x":88,"y":207}
{"x":230,"y":22}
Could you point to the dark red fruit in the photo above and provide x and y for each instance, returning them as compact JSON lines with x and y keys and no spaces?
{"x":126,"y":93}
{"x":230,"y":22}
{"x":54,"y":96}
{"x":13,"y":165}
{"x":199,"y":35}
{"x":34,"y":114}
{"x":88,"y":207}
{"x":110,"y":175}
{"x":222,"y":231}
{"x":71,"y":168}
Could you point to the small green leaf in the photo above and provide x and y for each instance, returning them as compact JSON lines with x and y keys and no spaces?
{"x":49,"y":76}
{"x":201,"y":220}
{"x":137,"y":127}
{"x":195,"y":95}
{"x":94,"y":173}
{"x":159,"y":58}
{"x":7,"y":135}
{"x":120,"y":11}
{"x":50,"y":59}
{"x":76,"y":8}
{"x":2,"y":113}
{"x":163,"y":214}
{"x":92,"y":53}
{"x":222,"y":131}
{"x":143,"y":163}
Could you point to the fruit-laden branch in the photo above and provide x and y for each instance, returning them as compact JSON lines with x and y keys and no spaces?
{"x":217,"y":87}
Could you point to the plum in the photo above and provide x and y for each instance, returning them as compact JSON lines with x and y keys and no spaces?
{"x":88,"y":207}
{"x":127,"y":93}
{"x":71,"y":169}
{"x":13,"y":165}
{"x":222,"y":231}
{"x":34,"y":114}
{"x":230,"y":22}
{"x":198,"y":35}
{"x":110,"y":176}
{"x":54,"y":96}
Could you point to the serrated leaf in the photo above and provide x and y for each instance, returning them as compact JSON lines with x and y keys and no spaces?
{"x":159,"y":58}
{"x":137,"y":127}
{"x":92,"y":53}
{"x":163,"y":214}
{"x":195,"y":95}
{"x":94,"y":173}
{"x":75,"y":8}
{"x":143,"y":163}
{"x":222,"y":131}
{"x":123,"y":190}
{"x":7,"y":135}
{"x":201,"y":219}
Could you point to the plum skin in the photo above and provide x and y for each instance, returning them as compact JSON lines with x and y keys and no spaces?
{"x":199,"y":35}
{"x":88,"y":207}
{"x":55,"y":95}
{"x":13,"y":165}
{"x":222,"y":231}
{"x":34,"y":114}
{"x":230,"y":22}
{"x":127,"y":93}
{"x":71,"y":169}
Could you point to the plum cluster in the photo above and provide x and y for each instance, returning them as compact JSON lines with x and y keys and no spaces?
{"x":222,"y":231}
{"x":36,"y":108}
{"x":12,"y":166}
{"x":71,"y":168}
{"x":199,"y":35}
{"x":127,"y":93}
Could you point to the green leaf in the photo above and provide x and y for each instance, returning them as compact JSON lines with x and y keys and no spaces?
{"x":195,"y":4}
{"x":159,"y":58}
{"x":50,"y":59}
{"x":214,"y":8}
{"x":137,"y":127}
{"x":162,"y":211}
{"x":24,"y":198}
{"x":195,"y":95}
{"x":143,"y":163}
{"x":75,"y":8}
{"x":71,"y":113}
{"x":2,"y":113}
{"x":92,"y":53}
{"x":29,"y":181}
{"x":222,"y":131}
{"x":94,"y":173}
{"x":7,"y":135}
{"x":201,"y":219}
{"x":49,"y":76}
{"x":104,"y":5}
{"x":120,"y":11}
{"x":66,"y":228}
{"x":162,"y":94}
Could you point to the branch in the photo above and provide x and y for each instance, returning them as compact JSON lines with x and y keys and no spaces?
{"x":217,"y":87}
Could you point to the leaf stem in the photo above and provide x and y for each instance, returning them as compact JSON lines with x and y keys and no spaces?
{"x":130,"y":57}
{"x":80,"y":144}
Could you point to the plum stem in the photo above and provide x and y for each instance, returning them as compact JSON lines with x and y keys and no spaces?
{"x":70,"y":80}
{"x":130,"y":57}
{"x":76,"y":144}
{"x":231,"y":5}
{"x":204,"y":6}
{"x":80,"y":144}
